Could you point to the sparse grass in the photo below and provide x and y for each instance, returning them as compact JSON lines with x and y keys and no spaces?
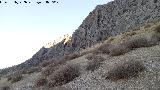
{"x":63,"y":75}
{"x":125,"y":71}
{"x":5,"y":88}
{"x":40,"y":82}
{"x":14,"y":79}
{"x":94,"y":62}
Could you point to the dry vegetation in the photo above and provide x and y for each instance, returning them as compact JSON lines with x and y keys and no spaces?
{"x":123,"y":43}
{"x":104,"y":48}
{"x":144,"y":40}
{"x":14,"y":79}
{"x":5,"y":88}
{"x":45,"y":63}
{"x":118,"y":49}
{"x":48,"y":70}
{"x":31,"y":70}
{"x":126,"y":70}
{"x":40,"y":82}
{"x":94,"y":62}
{"x":63,"y":75}
{"x":57,"y":72}
{"x":52,"y":65}
{"x":71,"y":56}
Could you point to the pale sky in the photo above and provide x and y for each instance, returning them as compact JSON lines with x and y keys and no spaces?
{"x":25,"y":28}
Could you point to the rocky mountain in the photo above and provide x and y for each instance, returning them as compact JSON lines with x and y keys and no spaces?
{"x":117,"y":47}
{"x":106,"y":20}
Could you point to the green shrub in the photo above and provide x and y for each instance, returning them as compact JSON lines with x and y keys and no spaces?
{"x":125,"y":71}
{"x":63,"y":75}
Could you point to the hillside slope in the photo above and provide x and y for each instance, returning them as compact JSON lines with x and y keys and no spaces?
{"x":104,"y":21}
{"x":129,"y":61}
{"x":115,"y":48}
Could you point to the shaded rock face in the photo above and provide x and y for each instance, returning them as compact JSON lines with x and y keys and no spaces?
{"x":104,"y":21}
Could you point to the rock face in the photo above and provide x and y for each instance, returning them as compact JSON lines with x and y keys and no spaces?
{"x":104,"y":21}
{"x":114,"y":18}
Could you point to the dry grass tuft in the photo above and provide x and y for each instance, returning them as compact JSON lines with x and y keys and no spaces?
{"x":45,"y":63}
{"x":125,"y":71}
{"x":146,"y":39}
{"x":40,"y":82}
{"x":5,"y":88}
{"x":94,"y":62}
{"x":104,"y":48}
{"x":157,"y":29}
{"x":63,"y":75}
{"x":14,"y":79}
{"x":50,"y":69}
{"x":71,"y":56}
{"x":31,"y":70}
{"x":118,"y":49}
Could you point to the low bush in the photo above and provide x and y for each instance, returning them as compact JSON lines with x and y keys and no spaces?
{"x":14,"y":79}
{"x":118,"y":49}
{"x":104,"y":48}
{"x":144,"y":40}
{"x":112,"y":49}
{"x":31,"y":70}
{"x":71,"y":56}
{"x":94,"y":57}
{"x":5,"y":88}
{"x":50,"y":69}
{"x":40,"y":82}
{"x":63,"y":75}
{"x":54,"y":65}
{"x":45,"y":63}
{"x":94,"y":62}
{"x":92,"y":65}
{"x":157,"y":29}
{"x":126,"y":70}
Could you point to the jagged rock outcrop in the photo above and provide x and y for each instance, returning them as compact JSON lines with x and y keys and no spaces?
{"x":106,"y":20}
